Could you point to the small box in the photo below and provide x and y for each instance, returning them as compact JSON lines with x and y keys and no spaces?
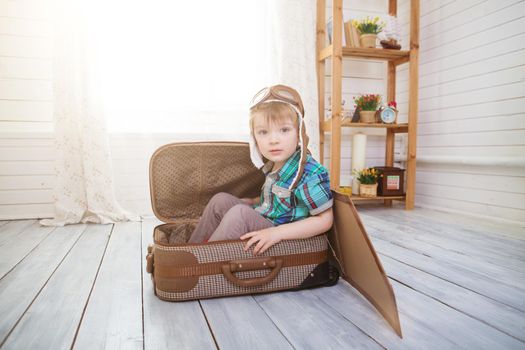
{"x":392,"y":181}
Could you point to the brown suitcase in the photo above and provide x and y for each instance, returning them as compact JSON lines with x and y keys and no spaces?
{"x":184,"y":177}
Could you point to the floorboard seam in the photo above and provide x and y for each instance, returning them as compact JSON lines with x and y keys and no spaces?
{"x":25,"y":256}
{"x":19,"y":232}
{"x":209,"y":325}
{"x":142,"y":257}
{"x":343,"y":316}
{"x":271,"y":320}
{"x":452,"y":282}
{"x":471,"y":254}
{"x":43,"y":286}
{"x":501,"y":238}
{"x":92,"y":287}
{"x":454,"y":308}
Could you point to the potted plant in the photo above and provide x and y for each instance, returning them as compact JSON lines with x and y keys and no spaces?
{"x":368,"y":29}
{"x":367,"y":106}
{"x":367,"y":181}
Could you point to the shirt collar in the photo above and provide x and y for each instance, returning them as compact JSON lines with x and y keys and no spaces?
{"x":289,"y":168}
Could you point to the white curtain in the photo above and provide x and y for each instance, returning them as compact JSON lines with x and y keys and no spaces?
{"x":294,"y":57}
{"x":84,"y":190}
{"x":190,"y":70}
{"x":141,"y":72}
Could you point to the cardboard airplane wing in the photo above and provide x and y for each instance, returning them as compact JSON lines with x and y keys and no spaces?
{"x":360,"y":266}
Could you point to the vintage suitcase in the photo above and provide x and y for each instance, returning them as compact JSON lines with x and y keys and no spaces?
{"x":183,"y":178}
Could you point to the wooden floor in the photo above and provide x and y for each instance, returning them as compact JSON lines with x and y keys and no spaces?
{"x":459,"y":283}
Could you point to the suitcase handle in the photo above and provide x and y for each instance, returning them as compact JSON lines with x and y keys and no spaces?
{"x":252,"y":264}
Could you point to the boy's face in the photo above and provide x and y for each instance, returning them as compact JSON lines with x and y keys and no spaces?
{"x":276,"y":140}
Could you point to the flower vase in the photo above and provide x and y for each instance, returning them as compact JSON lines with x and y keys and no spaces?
{"x":368,"y":190}
{"x":368,"y":40}
{"x":367,"y":116}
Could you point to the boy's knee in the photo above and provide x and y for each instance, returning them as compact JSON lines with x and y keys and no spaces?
{"x":236,"y":213}
{"x":220,"y":197}
{"x":237,"y":210}
{"x":221,"y":201}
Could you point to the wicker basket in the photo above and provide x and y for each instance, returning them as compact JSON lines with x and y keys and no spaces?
{"x":368,"y":190}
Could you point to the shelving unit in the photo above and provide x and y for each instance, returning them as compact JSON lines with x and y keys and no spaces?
{"x":336,"y":51}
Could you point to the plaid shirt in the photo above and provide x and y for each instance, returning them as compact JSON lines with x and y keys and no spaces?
{"x":311,"y":196}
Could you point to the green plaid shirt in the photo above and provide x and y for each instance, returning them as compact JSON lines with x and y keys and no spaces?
{"x":311,"y":196}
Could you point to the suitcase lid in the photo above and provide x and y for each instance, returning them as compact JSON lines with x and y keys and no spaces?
{"x":184,"y":176}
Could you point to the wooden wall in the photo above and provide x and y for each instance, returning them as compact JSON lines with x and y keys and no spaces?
{"x":471,"y":121}
{"x":471,"y":130}
{"x":471,"y":105}
{"x":26,"y":153}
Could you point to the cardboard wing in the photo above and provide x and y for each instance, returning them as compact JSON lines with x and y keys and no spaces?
{"x":358,"y":260}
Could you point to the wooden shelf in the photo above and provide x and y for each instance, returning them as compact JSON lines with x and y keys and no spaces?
{"x":396,"y":128}
{"x":336,"y":51}
{"x":397,"y":56}
{"x":359,"y":198}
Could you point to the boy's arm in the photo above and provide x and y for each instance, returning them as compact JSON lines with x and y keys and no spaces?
{"x":305,"y":228}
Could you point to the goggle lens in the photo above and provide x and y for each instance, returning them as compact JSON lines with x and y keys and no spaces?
{"x":279,"y":92}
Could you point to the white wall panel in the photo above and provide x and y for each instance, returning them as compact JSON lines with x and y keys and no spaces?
{"x":24,"y":46}
{"x":26,"y":141}
{"x":471,"y":123}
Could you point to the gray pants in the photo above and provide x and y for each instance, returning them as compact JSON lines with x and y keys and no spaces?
{"x":227,"y":217}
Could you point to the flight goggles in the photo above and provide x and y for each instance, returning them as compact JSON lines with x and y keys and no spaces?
{"x":280,"y":93}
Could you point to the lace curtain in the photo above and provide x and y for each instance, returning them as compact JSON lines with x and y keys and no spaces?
{"x":84,"y":190}
{"x":294,"y":58}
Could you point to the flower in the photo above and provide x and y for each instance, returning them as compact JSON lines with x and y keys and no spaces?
{"x":392,"y":104}
{"x":368,"y":25}
{"x":368,"y":102}
{"x":368,"y":176}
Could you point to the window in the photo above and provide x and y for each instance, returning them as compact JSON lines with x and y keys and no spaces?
{"x":179,"y":66}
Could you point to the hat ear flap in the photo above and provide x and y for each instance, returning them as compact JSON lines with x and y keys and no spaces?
{"x":255,"y":155}
{"x":303,"y":140}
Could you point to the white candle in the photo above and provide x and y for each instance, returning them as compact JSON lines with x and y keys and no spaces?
{"x":358,"y":157}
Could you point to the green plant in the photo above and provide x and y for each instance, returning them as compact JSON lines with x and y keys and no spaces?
{"x":368,"y":176}
{"x":368,"y":25}
{"x":368,"y":102}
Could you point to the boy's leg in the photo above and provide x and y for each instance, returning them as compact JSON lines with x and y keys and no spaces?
{"x":215,"y":210}
{"x":239,"y":220}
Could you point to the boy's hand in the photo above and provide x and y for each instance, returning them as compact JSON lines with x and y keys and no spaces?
{"x":264,"y":238}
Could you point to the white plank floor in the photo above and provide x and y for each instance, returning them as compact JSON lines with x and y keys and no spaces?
{"x":459,"y":283}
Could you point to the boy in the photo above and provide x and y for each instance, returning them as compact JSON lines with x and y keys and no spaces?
{"x":296,"y":201}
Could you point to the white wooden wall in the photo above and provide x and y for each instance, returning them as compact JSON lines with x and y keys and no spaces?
{"x":26,"y":157}
{"x":471,"y":121}
{"x":471,"y":130}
